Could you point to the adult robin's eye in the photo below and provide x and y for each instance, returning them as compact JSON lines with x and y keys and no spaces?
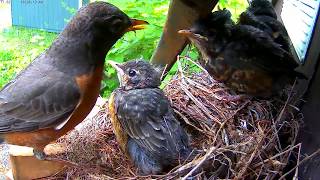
{"x":132,"y":73}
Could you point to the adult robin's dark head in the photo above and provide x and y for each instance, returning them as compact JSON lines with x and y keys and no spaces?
{"x":210,"y":33}
{"x":137,"y":74}
{"x":100,"y":25}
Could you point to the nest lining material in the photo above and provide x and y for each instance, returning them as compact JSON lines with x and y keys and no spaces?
{"x":259,"y":135}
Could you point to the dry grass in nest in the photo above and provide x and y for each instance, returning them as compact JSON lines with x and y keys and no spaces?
{"x":259,"y":133}
{"x":93,"y":150}
{"x":250,"y":138}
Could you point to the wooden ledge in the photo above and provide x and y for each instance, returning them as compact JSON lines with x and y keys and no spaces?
{"x":25,"y":166}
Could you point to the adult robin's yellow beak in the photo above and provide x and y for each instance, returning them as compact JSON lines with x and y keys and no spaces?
{"x":137,"y":25}
{"x":191,"y":35}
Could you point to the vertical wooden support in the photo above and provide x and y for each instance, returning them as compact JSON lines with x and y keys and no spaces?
{"x":181,"y":15}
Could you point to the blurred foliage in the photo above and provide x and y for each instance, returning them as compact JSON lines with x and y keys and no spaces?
{"x":235,"y":6}
{"x":19,"y":46}
{"x":139,"y":44}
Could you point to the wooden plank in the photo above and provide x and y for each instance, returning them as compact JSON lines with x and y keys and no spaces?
{"x":25,"y":166}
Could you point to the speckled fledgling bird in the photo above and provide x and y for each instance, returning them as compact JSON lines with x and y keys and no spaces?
{"x":244,"y":57}
{"x":143,"y":120}
{"x":60,"y":87}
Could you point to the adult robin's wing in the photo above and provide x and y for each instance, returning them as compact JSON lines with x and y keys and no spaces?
{"x":147,"y":117}
{"x":39,"y":97}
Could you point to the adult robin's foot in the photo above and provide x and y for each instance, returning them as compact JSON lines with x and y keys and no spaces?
{"x":39,"y":154}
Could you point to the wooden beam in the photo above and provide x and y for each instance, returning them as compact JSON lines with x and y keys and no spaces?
{"x":181,"y":15}
{"x":25,"y":166}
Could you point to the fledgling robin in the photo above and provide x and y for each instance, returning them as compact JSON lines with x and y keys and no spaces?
{"x":244,"y":57}
{"x":60,"y":87}
{"x":143,"y":120}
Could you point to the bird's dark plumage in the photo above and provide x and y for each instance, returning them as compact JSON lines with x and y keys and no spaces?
{"x":253,"y":56}
{"x":59,"y":88}
{"x":143,"y":120}
{"x":262,"y":15}
{"x":262,"y":7}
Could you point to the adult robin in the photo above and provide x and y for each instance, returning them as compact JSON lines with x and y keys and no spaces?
{"x":247,"y":59}
{"x":59,"y":88}
{"x":143,"y":120}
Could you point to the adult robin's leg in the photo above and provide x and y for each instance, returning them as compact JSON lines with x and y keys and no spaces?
{"x":39,"y":153}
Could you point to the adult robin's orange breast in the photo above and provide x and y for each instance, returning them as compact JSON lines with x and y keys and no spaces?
{"x":89,"y":85}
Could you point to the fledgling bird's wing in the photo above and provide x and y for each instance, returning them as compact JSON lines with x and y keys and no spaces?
{"x":256,"y":16}
{"x":39,"y":97}
{"x":146,"y":116}
{"x":260,"y":44}
{"x":279,"y":32}
{"x":247,"y":18}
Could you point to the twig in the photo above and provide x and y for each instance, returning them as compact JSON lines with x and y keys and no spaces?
{"x":295,"y":177}
{"x":205,"y":157}
{"x":277,"y":155}
{"x":300,"y":163}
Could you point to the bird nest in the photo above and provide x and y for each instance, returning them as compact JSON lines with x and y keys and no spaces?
{"x":242,"y":137}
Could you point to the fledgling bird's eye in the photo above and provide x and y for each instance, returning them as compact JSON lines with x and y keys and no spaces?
{"x":132,"y":72}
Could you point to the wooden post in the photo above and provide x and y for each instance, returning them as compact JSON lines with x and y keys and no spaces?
{"x":181,"y":15}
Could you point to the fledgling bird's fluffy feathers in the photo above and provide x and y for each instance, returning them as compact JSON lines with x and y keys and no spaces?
{"x":143,"y":120}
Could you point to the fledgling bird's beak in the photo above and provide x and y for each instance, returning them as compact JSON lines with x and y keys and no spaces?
{"x":137,"y":25}
{"x":191,"y":35}
{"x":118,"y":68}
